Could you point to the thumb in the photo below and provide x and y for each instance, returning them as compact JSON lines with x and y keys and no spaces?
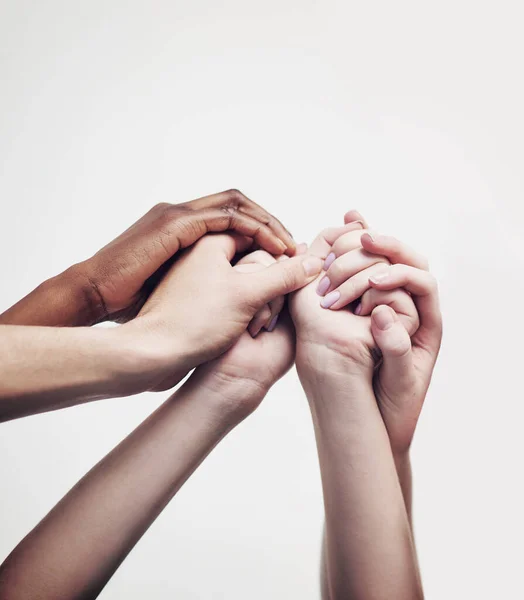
{"x":394,"y":342}
{"x":283,"y":277}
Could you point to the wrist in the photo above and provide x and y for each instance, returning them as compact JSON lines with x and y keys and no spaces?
{"x":90,"y":303}
{"x":157,"y":357}
{"x":61,"y":301}
{"x":318,"y":362}
{"x":231,"y":397}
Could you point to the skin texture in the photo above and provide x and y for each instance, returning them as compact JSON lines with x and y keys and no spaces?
{"x":75,"y":550}
{"x":161,"y":345}
{"x":115,"y":283}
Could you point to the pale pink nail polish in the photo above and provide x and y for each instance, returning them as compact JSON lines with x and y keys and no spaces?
{"x":358,"y":309}
{"x":273,"y":323}
{"x":330,"y":299}
{"x":323,"y":286}
{"x":329,"y":261}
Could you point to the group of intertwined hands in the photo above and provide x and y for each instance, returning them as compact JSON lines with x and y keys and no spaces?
{"x":219,"y":284}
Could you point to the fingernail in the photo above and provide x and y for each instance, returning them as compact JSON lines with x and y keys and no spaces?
{"x":379,"y":277}
{"x":329,"y":261}
{"x":273,"y":323}
{"x":330,"y":299}
{"x":301,"y":248}
{"x":323,"y":286}
{"x":358,"y":309}
{"x":312,"y":265}
{"x":373,"y":235}
{"x":282,"y":245}
{"x":383,"y":318}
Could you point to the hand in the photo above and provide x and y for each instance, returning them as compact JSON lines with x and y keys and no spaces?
{"x":324,"y":331}
{"x":203,"y":305}
{"x":259,"y":358}
{"x":407,"y":365}
{"x":119,"y":278}
{"x":406,"y":338}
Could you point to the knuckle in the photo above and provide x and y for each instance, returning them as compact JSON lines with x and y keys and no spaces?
{"x":161,"y":208}
{"x":290,"y":278}
{"x":235,"y":197}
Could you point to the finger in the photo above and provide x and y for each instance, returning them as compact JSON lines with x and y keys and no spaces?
{"x":234,"y":200}
{"x":346,"y":266}
{"x":399,"y":300}
{"x":321,"y":245}
{"x":258,"y":257}
{"x":424,"y":290}
{"x":276,"y":307}
{"x":394,"y":343}
{"x":353,"y":216}
{"x":350,"y":290}
{"x":394,"y":250}
{"x":277,"y":304}
{"x":217,"y":220}
{"x":228,"y":244}
{"x":281,"y":278}
{"x":259,"y":320}
{"x":344,"y":244}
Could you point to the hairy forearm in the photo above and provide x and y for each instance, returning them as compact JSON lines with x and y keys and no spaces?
{"x":76,"y":549}
{"x":369,"y":551}
{"x":45,"y":368}
{"x":67,"y":300}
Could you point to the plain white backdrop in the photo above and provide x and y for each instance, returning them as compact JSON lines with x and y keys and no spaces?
{"x":410,"y":112}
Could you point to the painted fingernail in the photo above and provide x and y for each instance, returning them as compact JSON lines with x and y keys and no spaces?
{"x":358,"y":309}
{"x":383,"y":318}
{"x":379,"y":277}
{"x":273,"y":323}
{"x":323,"y":286}
{"x":312,"y":265}
{"x":329,"y":261}
{"x":330,"y":299}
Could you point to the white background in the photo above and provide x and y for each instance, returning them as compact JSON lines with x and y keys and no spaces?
{"x":411,"y":112}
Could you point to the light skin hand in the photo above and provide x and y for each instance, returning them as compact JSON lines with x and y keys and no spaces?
{"x":369,"y":550}
{"x":400,"y":398}
{"x":115,"y":283}
{"x":76,"y":549}
{"x":406,"y":328}
{"x":198,"y":311}
{"x":203,"y":282}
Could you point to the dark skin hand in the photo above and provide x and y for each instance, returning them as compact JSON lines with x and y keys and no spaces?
{"x":115,"y":283}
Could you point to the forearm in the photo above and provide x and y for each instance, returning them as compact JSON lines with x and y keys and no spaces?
{"x":403,"y":467}
{"x":75,"y":550}
{"x":369,"y":551}
{"x":66,"y":300}
{"x":45,"y":368}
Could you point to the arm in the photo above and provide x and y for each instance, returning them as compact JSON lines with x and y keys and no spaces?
{"x":369,"y":550}
{"x":117,"y":280}
{"x":76,"y":549}
{"x":46,"y":368}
